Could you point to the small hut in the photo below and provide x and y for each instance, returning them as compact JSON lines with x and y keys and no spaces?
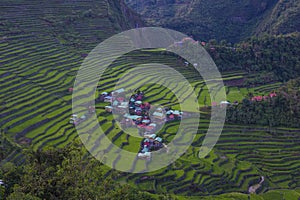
{"x":145,"y":156}
{"x":223,"y":104}
{"x":117,"y":92}
{"x":158,"y":115}
{"x":159,"y":139}
{"x":107,"y":99}
{"x":108,"y":109}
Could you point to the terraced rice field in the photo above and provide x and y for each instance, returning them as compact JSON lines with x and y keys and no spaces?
{"x":240,"y":157}
{"x":37,"y":105}
{"x":36,"y":71}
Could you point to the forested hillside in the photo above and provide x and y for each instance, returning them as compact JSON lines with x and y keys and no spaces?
{"x":284,"y":18}
{"x":268,"y":58}
{"x":219,"y":19}
{"x":283,"y":109}
{"x":66,"y":173}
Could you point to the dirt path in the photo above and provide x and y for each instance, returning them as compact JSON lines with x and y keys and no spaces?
{"x":252,"y":189}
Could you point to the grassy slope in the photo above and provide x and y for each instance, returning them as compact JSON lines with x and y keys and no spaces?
{"x":42,"y":46}
{"x":37,"y":68}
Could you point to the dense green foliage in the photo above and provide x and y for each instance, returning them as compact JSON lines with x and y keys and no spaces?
{"x":267,"y":58}
{"x":282,"y":110}
{"x":219,"y":19}
{"x":283,"y":19}
{"x":6,"y":146}
{"x":42,"y":47}
{"x":67,"y":173}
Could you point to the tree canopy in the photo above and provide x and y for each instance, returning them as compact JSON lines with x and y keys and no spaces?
{"x":67,"y":173}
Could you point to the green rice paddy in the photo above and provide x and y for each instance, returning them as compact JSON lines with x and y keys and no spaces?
{"x":37,"y":72}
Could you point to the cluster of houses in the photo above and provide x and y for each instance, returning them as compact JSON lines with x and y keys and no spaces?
{"x":194,"y":42}
{"x":75,"y":119}
{"x":108,"y":96}
{"x":186,"y":40}
{"x":261,"y":98}
{"x":224,"y":104}
{"x":150,"y":143}
{"x":189,"y":39}
{"x":136,"y":113}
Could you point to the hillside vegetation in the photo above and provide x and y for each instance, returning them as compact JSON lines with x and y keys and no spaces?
{"x":281,"y":110}
{"x":283,"y":19}
{"x":219,"y":19}
{"x":66,"y":173}
{"x":268,"y":58}
{"x":80,"y":24}
{"x":43,"y":45}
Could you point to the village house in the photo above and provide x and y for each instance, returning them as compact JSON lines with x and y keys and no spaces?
{"x":136,"y":113}
{"x":224,"y":104}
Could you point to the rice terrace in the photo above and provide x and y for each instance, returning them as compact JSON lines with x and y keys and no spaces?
{"x":43,"y":46}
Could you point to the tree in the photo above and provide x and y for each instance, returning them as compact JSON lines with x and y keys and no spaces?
{"x":212,"y":42}
{"x":69,"y":173}
{"x":11,"y":175}
{"x":2,"y":192}
{"x":17,"y":194}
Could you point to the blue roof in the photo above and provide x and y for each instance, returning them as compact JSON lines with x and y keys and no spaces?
{"x":159,"y":139}
{"x":152,"y":136}
{"x":145,"y":150}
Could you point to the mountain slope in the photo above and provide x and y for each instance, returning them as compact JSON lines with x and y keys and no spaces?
{"x":42,"y":45}
{"x":284,"y":18}
{"x":73,"y":22}
{"x":220,"y":19}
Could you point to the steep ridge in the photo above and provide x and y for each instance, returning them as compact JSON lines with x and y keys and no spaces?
{"x":284,"y":18}
{"x":219,"y":19}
